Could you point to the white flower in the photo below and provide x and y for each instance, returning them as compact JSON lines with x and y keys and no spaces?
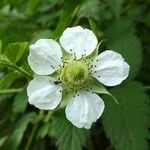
{"x":45,"y":58}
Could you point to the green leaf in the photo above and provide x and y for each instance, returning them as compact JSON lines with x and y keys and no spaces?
{"x":20,"y":102}
{"x":123,"y":40}
{"x":8,"y":79}
{"x":127,"y":123}
{"x":97,"y":87}
{"x":0,"y":46}
{"x":69,"y":137}
{"x":117,"y":7}
{"x":2,"y":140}
{"x":14,"y":51}
{"x":21,"y":126}
{"x":67,"y":14}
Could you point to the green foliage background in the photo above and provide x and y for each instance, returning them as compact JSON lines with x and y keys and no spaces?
{"x":123,"y":25}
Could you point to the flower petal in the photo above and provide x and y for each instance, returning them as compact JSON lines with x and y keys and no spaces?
{"x":84,"y":109}
{"x":45,"y":56}
{"x":78,"y":41}
{"x":110,"y":68}
{"x":43,"y":93}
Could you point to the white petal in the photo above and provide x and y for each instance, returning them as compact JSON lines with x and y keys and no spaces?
{"x":110,"y":68}
{"x":84,"y":109}
{"x":43,"y":93}
{"x":45,"y":56}
{"x":78,"y":41}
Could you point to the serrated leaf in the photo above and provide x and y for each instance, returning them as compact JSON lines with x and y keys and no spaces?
{"x":69,"y":137}
{"x":14,"y":51}
{"x":20,"y":102}
{"x":21,"y":126}
{"x":127,"y":123}
{"x":123,"y":40}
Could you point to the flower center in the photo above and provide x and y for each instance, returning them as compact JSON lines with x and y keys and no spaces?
{"x":76,"y":75}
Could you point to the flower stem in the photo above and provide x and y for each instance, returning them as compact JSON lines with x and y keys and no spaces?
{"x":48,"y":116}
{"x":29,"y":143}
{"x":5,"y":91}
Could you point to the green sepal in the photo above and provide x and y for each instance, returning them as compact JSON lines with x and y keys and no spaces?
{"x":95,"y":53}
{"x":97,"y":87}
{"x":93,"y":26}
{"x":66,"y":56}
{"x":66,"y":96}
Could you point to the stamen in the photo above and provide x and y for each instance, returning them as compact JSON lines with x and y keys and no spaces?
{"x":52,"y":66}
{"x":74,"y":54}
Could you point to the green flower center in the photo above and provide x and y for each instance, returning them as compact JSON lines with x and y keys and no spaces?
{"x":76,"y":75}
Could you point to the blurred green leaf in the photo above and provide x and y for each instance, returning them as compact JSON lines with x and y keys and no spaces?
{"x":21,"y":126}
{"x":8,"y":79}
{"x":69,"y":137}
{"x":2,"y":140}
{"x":90,"y":8}
{"x":14,"y":51}
{"x":127,"y":123}
{"x":67,"y":13}
{"x":31,"y":6}
{"x":20,"y":102}
{"x":0,"y":46}
{"x":44,"y":130}
{"x":117,"y":7}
